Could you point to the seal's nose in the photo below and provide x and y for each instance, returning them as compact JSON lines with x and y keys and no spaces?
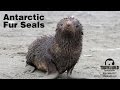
{"x":68,"y":23}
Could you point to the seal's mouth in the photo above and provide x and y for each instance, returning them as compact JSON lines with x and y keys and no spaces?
{"x":68,"y":34}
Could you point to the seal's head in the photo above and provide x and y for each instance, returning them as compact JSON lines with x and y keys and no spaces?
{"x":68,"y":27}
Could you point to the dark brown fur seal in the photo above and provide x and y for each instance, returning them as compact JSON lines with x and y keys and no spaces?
{"x":59,"y":53}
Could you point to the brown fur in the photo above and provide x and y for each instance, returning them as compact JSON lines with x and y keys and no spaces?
{"x":58,"y":53}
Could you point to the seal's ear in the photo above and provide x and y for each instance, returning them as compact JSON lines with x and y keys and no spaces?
{"x":56,"y":29}
{"x":81,"y":27}
{"x":82,"y":33}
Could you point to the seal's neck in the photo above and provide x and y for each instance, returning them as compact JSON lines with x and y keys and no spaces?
{"x":65,"y":42}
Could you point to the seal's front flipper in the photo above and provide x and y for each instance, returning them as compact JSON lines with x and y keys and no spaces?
{"x":29,"y":69}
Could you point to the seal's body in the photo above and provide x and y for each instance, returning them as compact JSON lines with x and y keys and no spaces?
{"x":39,"y":56}
{"x":59,"y":53}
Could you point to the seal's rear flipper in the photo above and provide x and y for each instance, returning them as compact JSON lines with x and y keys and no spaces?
{"x":29,"y":68}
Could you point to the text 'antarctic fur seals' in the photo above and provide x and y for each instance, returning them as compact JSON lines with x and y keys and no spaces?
{"x":59,"y":53}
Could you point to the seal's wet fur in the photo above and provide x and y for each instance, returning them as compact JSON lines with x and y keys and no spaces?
{"x":59,"y":53}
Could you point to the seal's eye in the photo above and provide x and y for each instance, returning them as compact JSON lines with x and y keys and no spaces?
{"x":77,"y":26}
{"x":61,"y":24}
